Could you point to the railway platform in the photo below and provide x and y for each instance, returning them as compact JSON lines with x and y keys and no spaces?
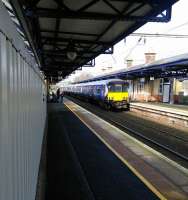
{"x":172,"y":114}
{"x":42,"y":43}
{"x":88,"y":158}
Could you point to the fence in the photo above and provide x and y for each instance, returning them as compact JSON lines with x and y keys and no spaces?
{"x":22,"y":115}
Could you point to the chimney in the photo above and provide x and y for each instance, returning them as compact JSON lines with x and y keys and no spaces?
{"x":149,"y":57}
{"x":129,"y":63}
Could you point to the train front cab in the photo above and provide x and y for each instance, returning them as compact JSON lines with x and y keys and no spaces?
{"x":118,"y":96}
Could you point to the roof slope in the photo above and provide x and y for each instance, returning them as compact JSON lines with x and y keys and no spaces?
{"x":176,"y":66}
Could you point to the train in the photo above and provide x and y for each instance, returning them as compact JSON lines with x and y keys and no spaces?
{"x":111,"y":93}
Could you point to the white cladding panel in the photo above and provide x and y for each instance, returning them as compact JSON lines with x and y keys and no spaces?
{"x":22,"y":122}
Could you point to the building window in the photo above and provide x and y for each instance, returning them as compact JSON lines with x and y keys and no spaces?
{"x":141,"y":84}
{"x":140,"y":87}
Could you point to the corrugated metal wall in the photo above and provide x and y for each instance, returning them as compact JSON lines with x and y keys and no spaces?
{"x":22,"y":117}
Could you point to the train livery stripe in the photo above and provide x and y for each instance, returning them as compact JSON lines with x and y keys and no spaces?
{"x":142,"y":178}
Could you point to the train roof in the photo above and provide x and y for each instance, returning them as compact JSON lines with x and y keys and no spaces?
{"x":100,"y":82}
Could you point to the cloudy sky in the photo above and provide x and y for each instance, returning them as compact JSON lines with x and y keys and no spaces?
{"x":132,"y":49}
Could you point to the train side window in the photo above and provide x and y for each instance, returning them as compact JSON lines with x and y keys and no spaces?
{"x":125,"y":88}
{"x":111,"y":88}
{"x":98,"y":90}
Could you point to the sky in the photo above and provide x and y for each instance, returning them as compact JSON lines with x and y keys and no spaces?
{"x":132,"y":49}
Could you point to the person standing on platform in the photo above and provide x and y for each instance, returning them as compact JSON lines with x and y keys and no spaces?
{"x":61,"y":97}
{"x":58,"y":95}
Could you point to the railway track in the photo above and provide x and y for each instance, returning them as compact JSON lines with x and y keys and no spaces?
{"x":125,"y":125}
{"x":158,"y":130}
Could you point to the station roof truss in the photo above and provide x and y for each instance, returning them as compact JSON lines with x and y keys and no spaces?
{"x":174,"y":67}
{"x":90,"y":27}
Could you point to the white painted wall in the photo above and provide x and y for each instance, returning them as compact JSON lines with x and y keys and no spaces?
{"x":22,"y":115}
{"x":185,"y":87}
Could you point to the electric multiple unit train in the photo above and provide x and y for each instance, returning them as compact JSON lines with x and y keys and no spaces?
{"x":111,"y":93}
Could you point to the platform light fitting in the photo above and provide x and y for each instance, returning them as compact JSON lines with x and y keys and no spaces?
{"x":71,"y":51}
{"x":71,"y":55}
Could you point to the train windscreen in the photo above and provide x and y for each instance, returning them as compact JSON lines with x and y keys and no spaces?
{"x":118,"y":87}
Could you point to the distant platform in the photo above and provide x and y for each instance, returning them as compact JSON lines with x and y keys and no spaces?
{"x":173,"y":114}
{"x":173,"y":108}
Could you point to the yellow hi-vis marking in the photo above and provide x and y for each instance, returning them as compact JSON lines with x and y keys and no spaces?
{"x":117,"y":96}
{"x":143,"y":179}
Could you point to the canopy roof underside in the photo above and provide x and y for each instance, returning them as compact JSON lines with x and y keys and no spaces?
{"x":90,"y":27}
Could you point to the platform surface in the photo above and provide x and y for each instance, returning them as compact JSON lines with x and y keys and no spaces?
{"x":167,"y":179}
{"x":80,"y":166}
{"x":172,"y":108}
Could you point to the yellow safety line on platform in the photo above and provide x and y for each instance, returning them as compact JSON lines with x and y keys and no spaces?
{"x":142,"y":178}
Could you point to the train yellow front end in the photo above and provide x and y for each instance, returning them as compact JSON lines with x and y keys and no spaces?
{"x":118,"y":96}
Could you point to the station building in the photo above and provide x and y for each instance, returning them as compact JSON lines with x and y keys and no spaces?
{"x":167,"y":89}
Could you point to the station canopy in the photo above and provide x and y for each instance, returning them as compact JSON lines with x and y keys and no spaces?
{"x":172,"y":67}
{"x":66,"y":35}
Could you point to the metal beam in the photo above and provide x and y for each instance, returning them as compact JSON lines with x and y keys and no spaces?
{"x":88,"y":5}
{"x":55,"y":69}
{"x":112,"y":6}
{"x":154,"y":2}
{"x":64,"y":51}
{"x":62,"y":5}
{"x":110,"y":26}
{"x":34,"y":3}
{"x":53,"y":13}
{"x":63,"y":56}
{"x":51,"y":39}
{"x":63,"y":64}
{"x":69,"y":33}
